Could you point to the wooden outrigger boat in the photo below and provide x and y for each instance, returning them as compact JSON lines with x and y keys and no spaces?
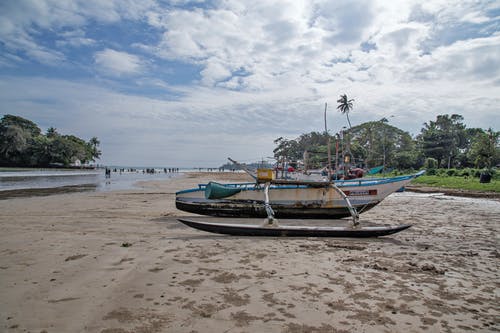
{"x":272,"y":198}
{"x":290,"y":199}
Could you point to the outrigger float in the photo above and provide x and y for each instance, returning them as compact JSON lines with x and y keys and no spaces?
{"x":294,"y":231}
{"x":280,"y":198}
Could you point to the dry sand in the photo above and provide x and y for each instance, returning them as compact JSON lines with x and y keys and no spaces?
{"x":119,"y":262}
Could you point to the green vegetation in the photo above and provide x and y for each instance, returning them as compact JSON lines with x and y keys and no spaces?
{"x":442,"y":139}
{"x":22,"y":144}
{"x":443,"y":143}
{"x":454,"y":182}
{"x":454,"y":156}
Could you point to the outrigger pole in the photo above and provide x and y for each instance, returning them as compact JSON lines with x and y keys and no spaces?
{"x":243,"y":167}
{"x":352,"y":210}
{"x":270,"y":220}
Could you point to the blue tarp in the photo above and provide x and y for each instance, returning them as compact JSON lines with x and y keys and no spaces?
{"x":375,"y":170}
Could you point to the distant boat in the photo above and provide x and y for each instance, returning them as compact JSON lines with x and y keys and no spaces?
{"x":290,"y":198}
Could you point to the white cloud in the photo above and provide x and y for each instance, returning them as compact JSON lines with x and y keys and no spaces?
{"x":209,"y":124}
{"x":470,"y":61}
{"x":115,"y":63}
{"x":21,"y":21}
{"x":265,"y":69}
{"x":75,"y":38}
{"x":214,"y":72}
{"x":475,"y":17}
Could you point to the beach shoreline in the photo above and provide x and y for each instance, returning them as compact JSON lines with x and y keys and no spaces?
{"x":118,"y":261}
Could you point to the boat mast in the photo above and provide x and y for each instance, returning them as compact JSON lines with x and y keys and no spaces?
{"x":305,"y":157}
{"x":336,"y":153}
{"x":329,"y":150}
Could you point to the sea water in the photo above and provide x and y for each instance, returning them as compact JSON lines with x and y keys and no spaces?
{"x":20,"y":179}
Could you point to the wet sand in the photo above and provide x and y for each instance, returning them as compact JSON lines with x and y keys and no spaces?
{"x":116,"y":262}
{"x":41,"y":192}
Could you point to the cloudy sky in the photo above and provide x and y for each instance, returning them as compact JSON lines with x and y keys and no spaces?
{"x":188,"y":83}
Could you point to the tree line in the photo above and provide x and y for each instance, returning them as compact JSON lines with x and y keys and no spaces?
{"x":22,"y":144}
{"x":442,"y":143}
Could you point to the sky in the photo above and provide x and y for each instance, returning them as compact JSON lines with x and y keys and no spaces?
{"x":190,"y":83}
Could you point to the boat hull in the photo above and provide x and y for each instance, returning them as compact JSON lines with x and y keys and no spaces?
{"x":292,"y":200}
{"x":231,"y":208}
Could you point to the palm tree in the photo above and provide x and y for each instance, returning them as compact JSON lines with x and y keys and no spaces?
{"x":52,"y":132}
{"x":345,"y":105}
{"x":94,"y":151}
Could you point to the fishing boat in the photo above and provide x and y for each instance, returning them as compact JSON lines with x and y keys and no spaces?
{"x":271,"y":198}
{"x":290,"y":198}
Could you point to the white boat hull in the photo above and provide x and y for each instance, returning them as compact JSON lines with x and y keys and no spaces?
{"x":293,"y":200}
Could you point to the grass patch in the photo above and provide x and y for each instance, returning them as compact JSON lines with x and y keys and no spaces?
{"x":470,"y":183}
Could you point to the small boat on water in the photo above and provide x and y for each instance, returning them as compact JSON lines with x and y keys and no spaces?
{"x":290,"y":198}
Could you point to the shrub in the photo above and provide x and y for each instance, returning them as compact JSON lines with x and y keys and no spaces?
{"x":465,"y":173}
{"x":493,"y":172}
{"x":430,"y":163}
{"x":441,"y":172}
{"x":432,"y":172}
{"x":451,"y":172}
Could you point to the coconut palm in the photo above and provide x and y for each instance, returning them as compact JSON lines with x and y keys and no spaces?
{"x":94,"y":151}
{"x":345,"y":105}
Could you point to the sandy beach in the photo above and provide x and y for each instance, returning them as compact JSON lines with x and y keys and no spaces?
{"x":117,"y":262}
